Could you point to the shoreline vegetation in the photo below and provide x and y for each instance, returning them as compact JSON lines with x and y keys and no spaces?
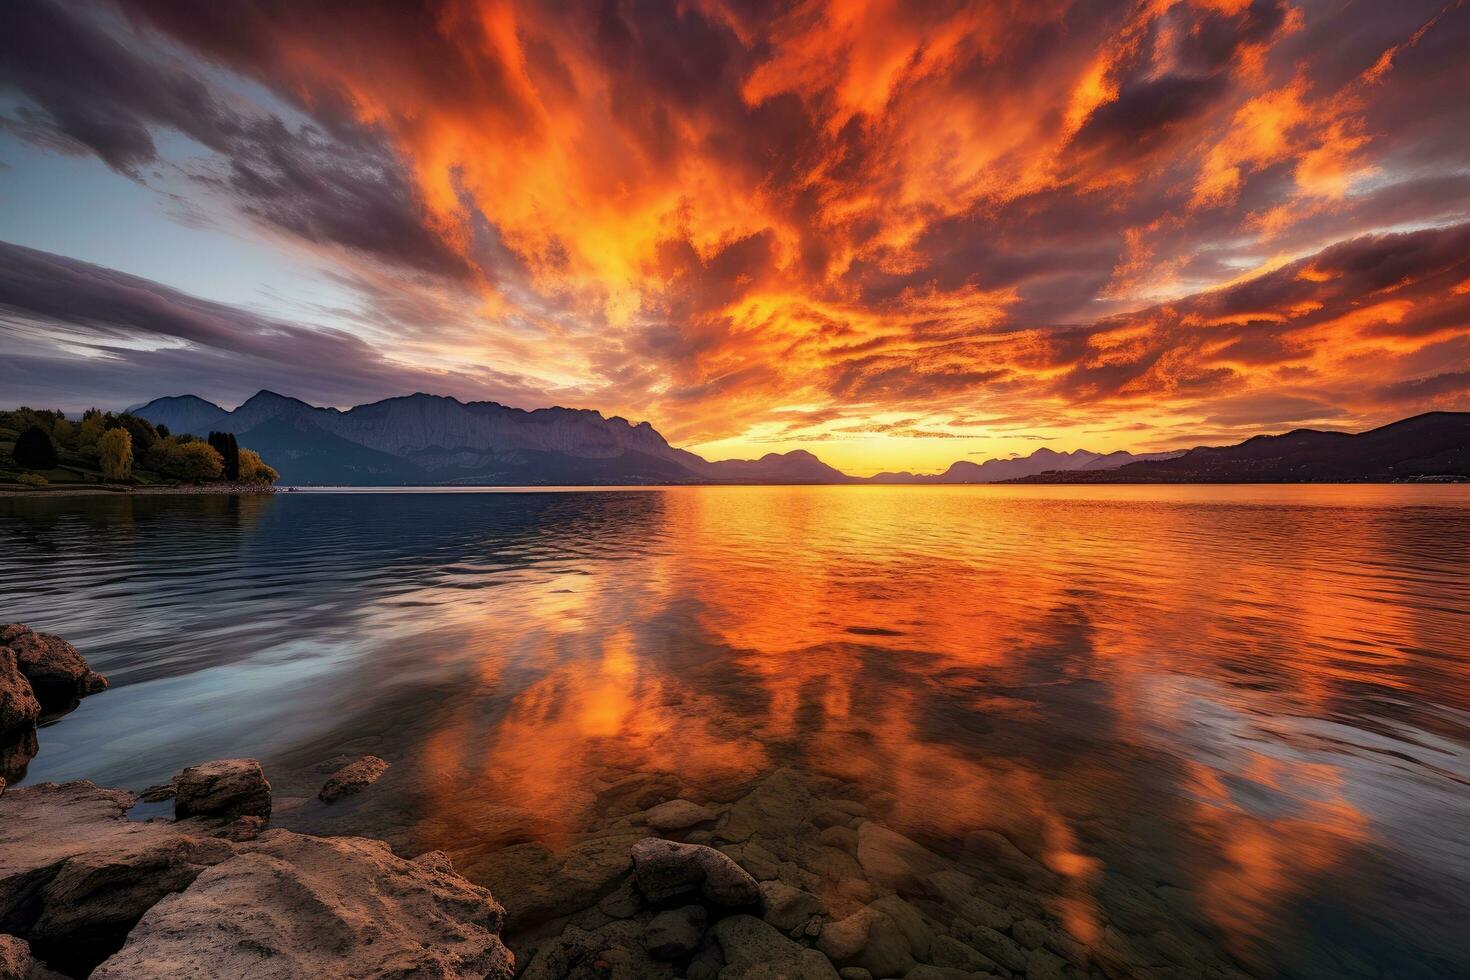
{"x":765,"y":873}
{"x":114,"y":489}
{"x":45,"y":452}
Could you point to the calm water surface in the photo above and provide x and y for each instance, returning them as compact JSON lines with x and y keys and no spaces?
{"x":1258,"y":698}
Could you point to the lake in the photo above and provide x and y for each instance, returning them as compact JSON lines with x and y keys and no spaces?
{"x":1195,"y":729}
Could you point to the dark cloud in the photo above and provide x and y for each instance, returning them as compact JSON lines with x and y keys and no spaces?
{"x":73,"y":331}
{"x":1144,"y":109}
{"x":1454,"y":384}
{"x":91,"y":93}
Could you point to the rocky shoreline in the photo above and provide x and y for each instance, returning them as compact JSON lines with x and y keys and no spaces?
{"x":41,"y":678}
{"x":782,"y":873}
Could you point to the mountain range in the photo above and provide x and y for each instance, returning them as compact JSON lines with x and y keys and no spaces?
{"x":432,"y":440}
{"x":1433,"y":446}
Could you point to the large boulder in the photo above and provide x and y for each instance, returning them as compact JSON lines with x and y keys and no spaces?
{"x":19,"y":708}
{"x":76,"y":874}
{"x":17,"y":963}
{"x":224,"y":789}
{"x":289,"y":905}
{"x":353,"y":778}
{"x":56,"y":671}
{"x":666,"y":870}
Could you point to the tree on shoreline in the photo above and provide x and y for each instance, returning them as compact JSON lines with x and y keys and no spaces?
{"x":115,"y":451}
{"x":254,"y":470}
{"x":123,"y":447}
{"x":34,"y":450}
{"x":229,"y":450}
{"x":185,"y":458}
{"x":91,"y":429}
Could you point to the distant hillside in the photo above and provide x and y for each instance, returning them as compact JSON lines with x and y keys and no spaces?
{"x":1430,"y":446}
{"x":1001,"y":470}
{"x":432,"y":440}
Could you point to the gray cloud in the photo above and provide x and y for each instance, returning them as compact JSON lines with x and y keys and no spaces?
{"x":334,"y":185}
{"x":74,"y":331}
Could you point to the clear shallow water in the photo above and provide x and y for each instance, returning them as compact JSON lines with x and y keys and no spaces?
{"x":1258,"y":697}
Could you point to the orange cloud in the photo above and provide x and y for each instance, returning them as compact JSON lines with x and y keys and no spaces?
{"x":707,"y":217}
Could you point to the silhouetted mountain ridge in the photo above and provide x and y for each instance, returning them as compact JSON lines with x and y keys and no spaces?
{"x":424,"y":439}
{"x":1435,"y":445}
{"x":433,"y":439}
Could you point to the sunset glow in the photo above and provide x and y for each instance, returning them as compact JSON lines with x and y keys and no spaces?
{"x":894,"y":234}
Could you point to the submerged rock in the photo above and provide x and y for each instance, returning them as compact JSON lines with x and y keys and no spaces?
{"x":789,"y":909}
{"x":868,"y":938}
{"x":57,"y":673}
{"x":677,"y":815}
{"x":76,"y":874}
{"x":353,"y":778}
{"x":676,"y":933}
{"x":893,"y":861}
{"x":668,"y":870}
{"x":613,"y":952}
{"x":755,"y":950}
{"x":540,"y":885}
{"x":223,"y":789}
{"x":290,"y":905}
{"x":994,"y":945}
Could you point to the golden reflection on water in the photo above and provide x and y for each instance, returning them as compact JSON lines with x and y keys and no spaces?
{"x":1256,"y":699}
{"x":1076,"y":671}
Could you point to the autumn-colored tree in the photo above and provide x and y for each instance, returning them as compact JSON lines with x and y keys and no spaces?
{"x":192,"y":461}
{"x":254,"y":470}
{"x":91,"y":429}
{"x":115,"y":450}
{"x":64,"y":432}
{"x":143,"y":433}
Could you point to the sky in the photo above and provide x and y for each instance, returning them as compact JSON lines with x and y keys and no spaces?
{"x":893,"y":234}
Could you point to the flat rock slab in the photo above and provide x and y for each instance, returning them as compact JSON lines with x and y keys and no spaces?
{"x":290,"y":906}
{"x":353,"y":778}
{"x":76,"y":874}
{"x":668,"y":870}
{"x":223,"y":789}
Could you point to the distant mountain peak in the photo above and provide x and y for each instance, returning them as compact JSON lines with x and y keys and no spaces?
{"x":265,"y":396}
{"x":193,"y":401}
